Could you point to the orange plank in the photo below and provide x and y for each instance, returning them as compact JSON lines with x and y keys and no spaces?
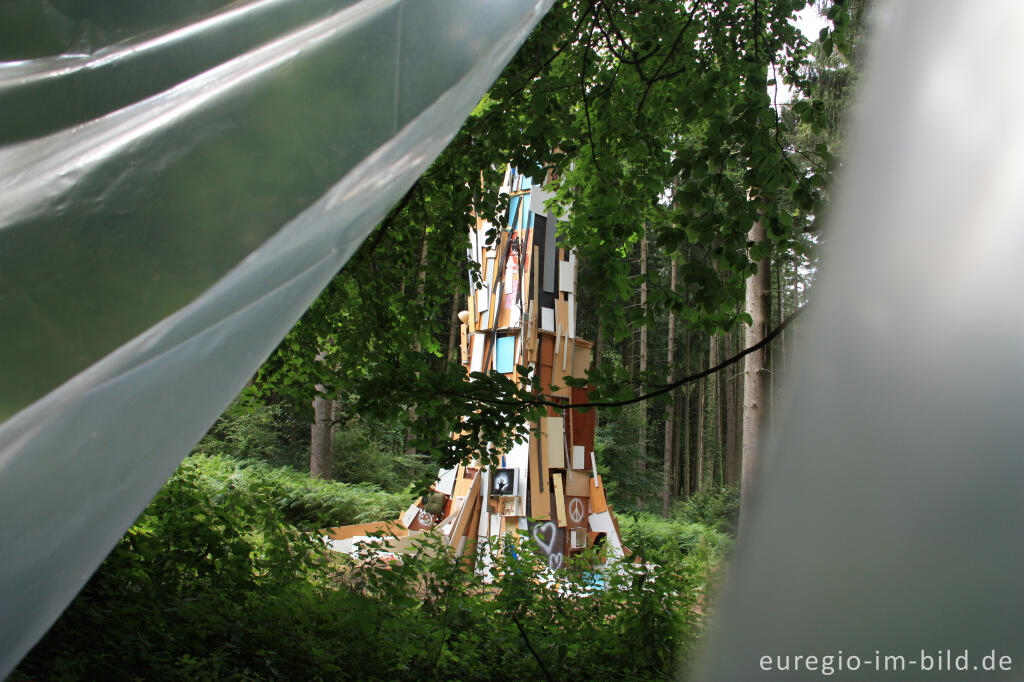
{"x":598,"y":503}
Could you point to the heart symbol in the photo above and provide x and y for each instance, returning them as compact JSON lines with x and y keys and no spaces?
{"x":546,"y":544}
{"x":555,"y":561}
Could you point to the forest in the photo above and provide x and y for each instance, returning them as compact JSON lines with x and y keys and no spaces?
{"x":689,"y":147}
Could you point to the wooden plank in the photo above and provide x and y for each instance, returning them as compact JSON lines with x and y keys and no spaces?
{"x":477,"y":353}
{"x":547,"y":319}
{"x":567,"y":355}
{"x":558,"y":360}
{"x":562,"y":314}
{"x":598,"y":502}
{"x":470,"y":545}
{"x":550,"y":256}
{"x":546,"y":361}
{"x":540,"y":505}
{"x":578,"y":457}
{"x":565,"y":276}
{"x":577,"y":483}
{"x":386,"y":527}
{"x":581,"y":359}
{"x":552,"y":441}
{"x":570,"y":315}
{"x":583,"y":426}
{"x":576,"y":511}
{"x":463,"y":522}
{"x":556,"y":484}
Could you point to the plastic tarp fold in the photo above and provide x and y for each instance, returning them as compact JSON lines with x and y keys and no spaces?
{"x":176,"y":186}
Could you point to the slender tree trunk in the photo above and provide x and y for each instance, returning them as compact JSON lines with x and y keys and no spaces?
{"x":710,"y":434}
{"x":698,"y":473}
{"x":754,"y":385}
{"x":598,"y":344}
{"x":320,"y":431}
{"x":666,"y":491}
{"x":732,"y":451}
{"x":641,"y":461}
{"x":686,"y":424}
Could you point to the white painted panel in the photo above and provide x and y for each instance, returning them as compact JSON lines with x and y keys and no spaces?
{"x":483,"y":298}
{"x":410,"y":515}
{"x":446,"y":481}
{"x":579,"y":454}
{"x":547,"y":319}
{"x":478,"y":353}
{"x":566,"y":278}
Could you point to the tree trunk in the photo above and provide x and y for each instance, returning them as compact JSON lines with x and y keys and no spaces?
{"x":321,"y":443}
{"x":641,"y":461}
{"x":710,"y":432}
{"x":732,"y":451}
{"x":666,"y":491}
{"x":758,"y":299}
{"x":698,"y":471}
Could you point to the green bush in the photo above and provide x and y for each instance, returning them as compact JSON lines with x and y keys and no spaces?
{"x":249,"y":429}
{"x":213,"y":582}
{"x":301,"y":500}
{"x":717,"y":508}
{"x":659,"y":540}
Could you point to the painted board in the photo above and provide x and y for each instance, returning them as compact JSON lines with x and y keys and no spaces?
{"x":550,"y":257}
{"x":583,"y":423}
{"x":577,"y":483}
{"x":504,"y":357}
{"x":540,"y":507}
{"x":477,"y":353}
{"x":578,"y":456}
{"x":598,"y":502}
{"x":559,"y":490}
{"x":576,"y":511}
{"x":565,"y":276}
{"x":547,"y":319}
{"x":446,"y":481}
{"x":552,"y":433}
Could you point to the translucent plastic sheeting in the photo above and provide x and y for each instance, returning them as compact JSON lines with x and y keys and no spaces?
{"x":177,"y":183}
{"x":890,"y":506}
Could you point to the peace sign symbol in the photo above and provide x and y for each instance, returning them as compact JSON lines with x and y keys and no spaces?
{"x":576,"y":510}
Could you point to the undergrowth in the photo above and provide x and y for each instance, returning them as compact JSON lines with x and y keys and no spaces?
{"x":222,"y":578}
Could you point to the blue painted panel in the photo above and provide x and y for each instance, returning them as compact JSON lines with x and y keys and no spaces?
{"x":513,"y":209}
{"x":504,"y":358}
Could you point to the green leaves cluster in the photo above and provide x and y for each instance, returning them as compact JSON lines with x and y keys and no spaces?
{"x":655,"y":119}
